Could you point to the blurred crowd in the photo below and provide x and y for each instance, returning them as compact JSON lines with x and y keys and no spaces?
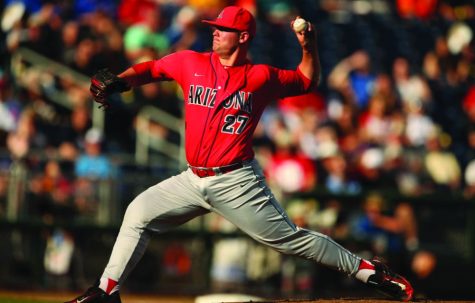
{"x":395,"y":109}
{"x":394,"y":112}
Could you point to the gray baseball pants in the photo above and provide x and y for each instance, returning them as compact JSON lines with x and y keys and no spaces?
{"x":242,"y":197}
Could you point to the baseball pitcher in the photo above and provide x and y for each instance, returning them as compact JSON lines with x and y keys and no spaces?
{"x":225,"y":95}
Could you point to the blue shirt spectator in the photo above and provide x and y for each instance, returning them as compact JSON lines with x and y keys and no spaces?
{"x":94,"y":167}
{"x":92,"y":164}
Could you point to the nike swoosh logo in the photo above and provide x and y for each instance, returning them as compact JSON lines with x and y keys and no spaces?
{"x":198,"y":75}
{"x":86,"y":298}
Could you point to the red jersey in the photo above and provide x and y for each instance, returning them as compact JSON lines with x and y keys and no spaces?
{"x":224,"y":104}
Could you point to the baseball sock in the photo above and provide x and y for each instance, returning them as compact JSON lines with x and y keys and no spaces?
{"x":108,"y":285}
{"x":365,"y":270}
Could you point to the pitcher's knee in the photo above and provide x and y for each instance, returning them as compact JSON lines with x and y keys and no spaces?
{"x":136,"y":214}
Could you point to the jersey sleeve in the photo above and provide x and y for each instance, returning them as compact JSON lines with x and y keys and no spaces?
{"x":170,"y":67}
{"x":289,"y":82}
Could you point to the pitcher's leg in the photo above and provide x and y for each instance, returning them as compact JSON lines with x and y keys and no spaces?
{"x":158,"y":209}
{"x":244,"y":199}
{"x":268,"y":224}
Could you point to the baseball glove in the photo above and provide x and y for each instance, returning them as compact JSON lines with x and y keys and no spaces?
{"x":105,"y":83}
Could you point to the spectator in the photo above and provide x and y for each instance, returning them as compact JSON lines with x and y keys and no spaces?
{"x":442,"y":165}
{"x":412,"y":179}
{"x":43,"y":33}
{"x":424,"y":263}
{"x":85,"y":57}
{"x":53,"y":178}
{"x":390,"y":236}
{"x":70,"y":39}
{"x":325,"y":140}
{"x":10,"y":112}
{"x":146,"y":34}
{"x":50,"y":194}
{"x":337,"y":176}
{"x":73,"y":133}
{"x":293,"y":108}
{"x":20,"y":141}
{"x":419,"y":126}
{"x":412,"y":88}
{"x":374,"y":125}
{"x":354,"y":73}
{"x":59,"y":210}
{"x":371,"y":170}
{"x":302,"y":115}
{"x":92,"y":164}
{"x":384,"y":87}
{"x":291,"y":171}
{"x":183,"y":33}
{"x":108,"y":38}
{"x":343,"y":118}
{"x":57,"y":258}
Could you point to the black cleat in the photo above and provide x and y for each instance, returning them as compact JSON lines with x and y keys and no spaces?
{"x":390,"y":283}
{"x":96,"y":295}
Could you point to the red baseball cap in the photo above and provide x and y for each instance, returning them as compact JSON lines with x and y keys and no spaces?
{"x":235,"y":17}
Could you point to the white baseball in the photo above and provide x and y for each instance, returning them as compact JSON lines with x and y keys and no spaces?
{"x":300,"y":25}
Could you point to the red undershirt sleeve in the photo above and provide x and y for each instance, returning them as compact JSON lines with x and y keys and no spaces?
{"x":307,"y":83}
{"x":291,"y":83}
{"x":143,"y":73}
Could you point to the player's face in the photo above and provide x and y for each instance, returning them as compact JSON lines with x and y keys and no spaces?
{"x":225,"y":41}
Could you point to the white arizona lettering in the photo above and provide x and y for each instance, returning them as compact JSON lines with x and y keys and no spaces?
{"x":239,"y":100}
{"x":203,"y":96}
{"x":190,"y":94}
{"x":206,"y":96}
{"x":198,"y":92}
{"x":212,"y":97}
